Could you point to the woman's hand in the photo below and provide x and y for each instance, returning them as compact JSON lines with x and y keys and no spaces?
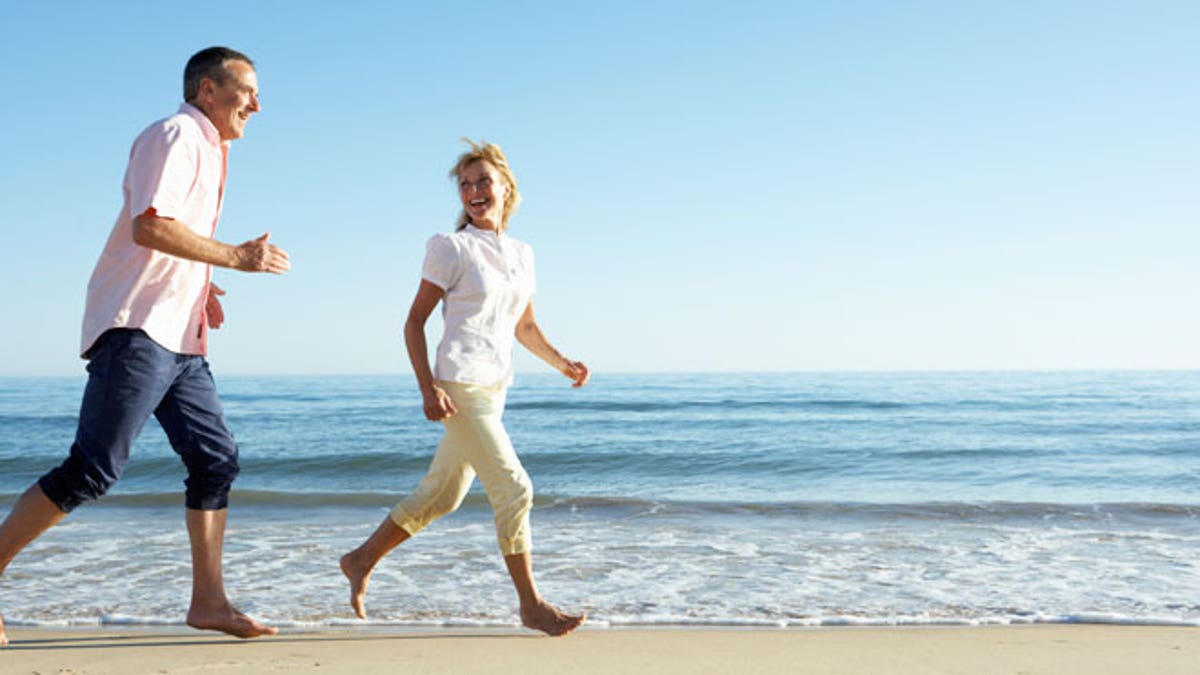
{"x":575,"y":371}
{"x":530,"y":335}
{"x":437,"y":404}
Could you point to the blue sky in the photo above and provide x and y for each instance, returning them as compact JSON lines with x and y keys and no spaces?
{"x":708,"y":186}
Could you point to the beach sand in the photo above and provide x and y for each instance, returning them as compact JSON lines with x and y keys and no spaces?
{"x":1057,"y":649}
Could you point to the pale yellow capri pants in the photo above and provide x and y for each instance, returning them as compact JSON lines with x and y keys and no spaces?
{"x":475,"y":442}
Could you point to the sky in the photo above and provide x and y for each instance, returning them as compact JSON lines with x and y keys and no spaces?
{"x":749,"y":186}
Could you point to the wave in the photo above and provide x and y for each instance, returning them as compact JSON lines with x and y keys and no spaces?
{"x":303,"y":406}
{"x":305,"y":403}
{"x":49,"y":419}
{"x":602,"y":621}
{"x":722,"y":404}
{"x":289,"y":398}
{"x":799,"y":404}
{"x":163,"y":462}
{"x":939,"y":511}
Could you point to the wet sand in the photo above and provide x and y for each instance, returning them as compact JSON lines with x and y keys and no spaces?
{"x":1029,"y":650}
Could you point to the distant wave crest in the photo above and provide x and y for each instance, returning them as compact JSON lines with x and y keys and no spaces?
{"x":722,"y":404}
{"x":941,"y":511}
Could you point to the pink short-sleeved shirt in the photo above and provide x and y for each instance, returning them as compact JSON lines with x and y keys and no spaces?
{"x":488,"y":280}
{"x":176,"y":167}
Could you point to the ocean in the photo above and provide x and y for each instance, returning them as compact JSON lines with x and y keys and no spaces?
{"x":787,"y":499}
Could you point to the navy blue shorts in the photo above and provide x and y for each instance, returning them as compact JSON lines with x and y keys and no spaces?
{"x":130,"y":377}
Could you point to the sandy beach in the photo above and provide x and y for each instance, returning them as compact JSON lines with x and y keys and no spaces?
{"x":1029,"y":650}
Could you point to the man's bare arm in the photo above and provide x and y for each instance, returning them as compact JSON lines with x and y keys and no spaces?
{"x":174,"y":238}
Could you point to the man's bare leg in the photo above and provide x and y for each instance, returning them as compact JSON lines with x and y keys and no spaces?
{"x":357,"y":564}
{"x":210,"y":608}
{"x":32,"y":515}
{"x":536,"y":613}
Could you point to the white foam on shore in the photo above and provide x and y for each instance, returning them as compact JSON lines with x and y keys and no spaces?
{"x":638,"y":622}
{"x":645,"y":567}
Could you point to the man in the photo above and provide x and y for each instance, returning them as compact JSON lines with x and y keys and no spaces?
{"x":150,"y":304}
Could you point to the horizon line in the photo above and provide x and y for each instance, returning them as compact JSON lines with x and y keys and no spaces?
{"x":797,"y":371}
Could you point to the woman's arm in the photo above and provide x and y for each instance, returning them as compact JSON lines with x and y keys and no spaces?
{"x":436,"y":403}
{"x":531,"y":336}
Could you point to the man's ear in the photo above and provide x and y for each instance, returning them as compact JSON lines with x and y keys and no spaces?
{"x":206,"y":89}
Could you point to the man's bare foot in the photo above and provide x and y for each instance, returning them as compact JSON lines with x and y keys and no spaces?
{"x":226,"y":619}
{"x":359,"y":578}
{"x":544,"y":617}
{"x":3,"y":637}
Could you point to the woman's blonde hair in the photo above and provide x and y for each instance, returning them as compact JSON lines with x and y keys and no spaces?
{"x":492,"y":154}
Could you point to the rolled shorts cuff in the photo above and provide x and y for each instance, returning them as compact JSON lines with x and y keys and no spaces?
{"x":515,"y":545}
{"x":66,"y":499}
{"x":403,"y":520}
{"x":209,"y":501}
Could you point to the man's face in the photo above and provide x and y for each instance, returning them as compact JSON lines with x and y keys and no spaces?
{"x":230,"y":105}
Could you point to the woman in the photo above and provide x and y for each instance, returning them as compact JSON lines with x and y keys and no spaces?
{"x":485,"y":280}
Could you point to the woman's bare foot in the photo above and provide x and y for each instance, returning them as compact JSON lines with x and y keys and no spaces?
{"x":359,"y":578}
{"x":3,"y":637}
{"x":227,"y":619}
{"x":544,"y":617}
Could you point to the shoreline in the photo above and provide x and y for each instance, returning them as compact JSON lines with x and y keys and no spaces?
{"x":1062,"y":649}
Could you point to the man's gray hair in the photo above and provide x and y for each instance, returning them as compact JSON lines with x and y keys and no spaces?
{"x":209,"y":63}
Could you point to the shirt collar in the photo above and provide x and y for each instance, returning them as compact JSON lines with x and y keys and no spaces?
{"x":206,"y":125}
{"x":479,"y":232}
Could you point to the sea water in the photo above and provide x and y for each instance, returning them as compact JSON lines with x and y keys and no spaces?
{"x":692,"y":499}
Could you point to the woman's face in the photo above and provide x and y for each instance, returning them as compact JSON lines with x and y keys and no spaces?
{"x":483,"y":193}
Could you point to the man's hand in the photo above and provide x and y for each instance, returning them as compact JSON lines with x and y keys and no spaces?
{"x":212,"y":307}
{"x":257,"y":255}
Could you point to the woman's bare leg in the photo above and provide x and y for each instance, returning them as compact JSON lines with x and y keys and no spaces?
{"x":357,"y":564}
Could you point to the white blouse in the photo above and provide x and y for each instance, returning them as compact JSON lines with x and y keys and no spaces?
{"x":488,"y":281}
